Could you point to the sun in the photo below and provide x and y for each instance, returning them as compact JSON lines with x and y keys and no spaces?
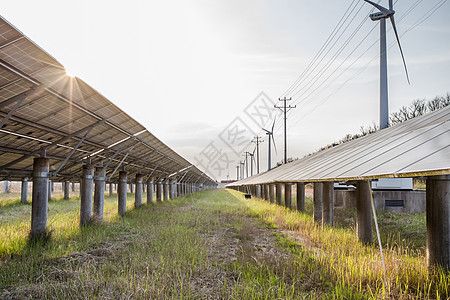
{"x":69,"y":72}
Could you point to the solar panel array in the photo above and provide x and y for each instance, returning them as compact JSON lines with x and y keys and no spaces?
{"x":41,"y":107}
{"x":415,"y":148}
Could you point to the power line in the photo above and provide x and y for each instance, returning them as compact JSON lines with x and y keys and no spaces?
{"x":326,"y":43}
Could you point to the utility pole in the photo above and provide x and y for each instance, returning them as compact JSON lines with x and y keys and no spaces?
{"x":251,"y":162}
{"x":285,"y":109}
{"x":257,"y":142}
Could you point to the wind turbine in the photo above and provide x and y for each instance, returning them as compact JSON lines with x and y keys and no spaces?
{"x":252,"y":157}
{"x":381,"y":16}
{"x":270,"y":134}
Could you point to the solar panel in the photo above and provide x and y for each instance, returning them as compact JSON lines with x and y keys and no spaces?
{"x":41,"y":106}
{"x":417,"y":147}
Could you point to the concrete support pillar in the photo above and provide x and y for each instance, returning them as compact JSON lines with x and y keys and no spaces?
{"x":52,"y":184}
{"x":166,"y":191}
{"x":288,"y":195}
{"x":99,"y":193}
{"x":271,"y":193}
{"x":138,"y":194}
{"x":301,"y":196}
{"x":49,"y":190}
{"x":66,"y":185}
{"x":171,"y":195}
{"x":266,"y":192}
{"x":438,"y":222}
{"x":73,"y":186}
{"x":258,"y":191}
{"x":87,"y":189}
{"x":179,"y":189}
{"x":110,"y":189}
{"x":159,"y":191}
{"x":328,"y":203}
{"x":279,"y":193}
{"x":364,"y":212}
{"x":39,"y":202}
{"x":150,"y":191}
{"x":24,"y":191}
{"x":6,"y":187}
{"x":175,"y":188}
{"x":317,"y":207}
{"x":143,"y":188}
{"x":122,"y":193}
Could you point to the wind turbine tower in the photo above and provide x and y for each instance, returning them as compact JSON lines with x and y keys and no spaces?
{"x":381,"y":16}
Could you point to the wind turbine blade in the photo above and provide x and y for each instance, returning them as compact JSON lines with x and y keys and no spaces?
{"x":273,"y":125}
{"x":399,"y":46}
{"x":274,"y":145}
{"x":381,"y":8}
{"x":390,"y":4}
{"x":266,"y":130}
{"x":253,"y":154}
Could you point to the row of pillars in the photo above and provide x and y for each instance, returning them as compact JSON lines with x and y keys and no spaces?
{"x":437,"y":210}
{"x":92,"y":191}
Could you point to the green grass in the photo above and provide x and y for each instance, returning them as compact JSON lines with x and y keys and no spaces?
{"x":212,"y":244}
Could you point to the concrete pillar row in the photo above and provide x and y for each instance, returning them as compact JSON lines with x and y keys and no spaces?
{"x":438,"y":222}
{"x":150,"y":191}
{"x":24,"y":191}
{"x":288,"y":195}
{"x":111,"y":188}
{"x":73,"y":186}
{"x":66,"y":189}
{"x":159,"y":188}
{"x":39,"y":202}
{"x":328,"y":203}
{"x":317,"y":205}
{"x":364,"y":212}
{"x":301,"y":196}
{"x":99,"y":193}
{"x":138,"y":193}
{"x":122,"y":193}
{"x":87,"y":189}
{"x":279,"y":194}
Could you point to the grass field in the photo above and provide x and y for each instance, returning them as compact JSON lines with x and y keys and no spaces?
{"x":212,"y":244}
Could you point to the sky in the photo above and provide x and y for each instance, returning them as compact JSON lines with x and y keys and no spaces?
{"x":203,"y":75}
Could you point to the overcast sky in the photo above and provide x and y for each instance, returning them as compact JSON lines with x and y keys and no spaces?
{"x":201,"y":74}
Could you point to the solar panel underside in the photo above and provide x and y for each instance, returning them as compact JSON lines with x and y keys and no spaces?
{"x":418,"y":147}
{"x":41,"y":106}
